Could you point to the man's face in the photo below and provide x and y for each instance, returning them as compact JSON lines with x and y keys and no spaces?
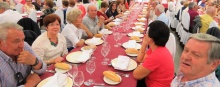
{"x":92,"y":12}
{"x":194,"y":59}
{"x":14,"y":43}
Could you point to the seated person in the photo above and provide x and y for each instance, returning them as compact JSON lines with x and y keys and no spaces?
{"x":38,"y":5}
{"x":159,"y":12}
{"x":112,"y":11}
{"x":75,"y":31}
{"x":207,"y":18}
{"x":91,"y":21}
{"x":192,"y":13}
{"x":50,"y":46}
{"x":157,"y":67}
{"x":7,"y":15}
{"x":101,"y":12}
{"x":48,"y":6}
{"x":121,"y":6}
{"x":151,"y":12}
{"x":28,"y":7}
{"x":197,"y":65}
{"x":65,"y":5}
{"x":17,"y":58}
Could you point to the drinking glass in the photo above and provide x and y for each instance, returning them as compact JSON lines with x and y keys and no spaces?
{"x":119,"y":37}
{"x":116,"y":38}
{"x":90,"y":68}
{"x":72,"y":72}
{"x":79,"y":79}
{"x":104,"y":51}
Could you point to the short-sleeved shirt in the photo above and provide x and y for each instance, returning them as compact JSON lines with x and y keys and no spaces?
{"x":101,"y":14}
{"x":161,"y":65}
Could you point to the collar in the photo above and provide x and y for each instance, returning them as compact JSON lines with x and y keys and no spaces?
{"x":96,"y":18}
{"x":5,"y":57}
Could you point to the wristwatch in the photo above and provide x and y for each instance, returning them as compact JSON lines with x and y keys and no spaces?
{"x":36,"y":62}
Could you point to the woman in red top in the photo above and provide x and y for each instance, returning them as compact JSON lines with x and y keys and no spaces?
{"x":102,"y":10}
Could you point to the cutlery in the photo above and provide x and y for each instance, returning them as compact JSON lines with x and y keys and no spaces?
{"x":89,"y":84}
{"x":121,"y":74}
{"x":103,"y":86}
{"x":51,"y":71}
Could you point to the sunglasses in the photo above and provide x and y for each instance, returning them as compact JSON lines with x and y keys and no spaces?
{"x":19,"y":78}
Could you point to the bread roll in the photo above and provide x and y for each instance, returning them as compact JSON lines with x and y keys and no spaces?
{"x":140,"y":30}
{"x":135,"y":38}
{"x":112,"y":76}
{"x":98,"y":35}
{"x":63,"y":66}
{"x":131,"y":51}
{"x":89,"y":47}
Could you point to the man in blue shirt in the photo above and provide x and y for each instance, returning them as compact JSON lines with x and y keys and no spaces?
{"x":17,"y":59}
{"x":159,"y":11}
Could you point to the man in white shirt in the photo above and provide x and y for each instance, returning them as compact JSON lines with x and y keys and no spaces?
{"x":159,"y":11}
{"x":7,"y":15}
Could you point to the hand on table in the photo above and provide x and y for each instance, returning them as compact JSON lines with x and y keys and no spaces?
{"x":32,"y":80}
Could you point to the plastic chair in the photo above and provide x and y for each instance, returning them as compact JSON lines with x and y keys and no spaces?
{"x":33,"y":15}
{"x":185,"y":27}
{"x":18,"y":7}
{"x":59,"y":12}
{"x":171,"y":45}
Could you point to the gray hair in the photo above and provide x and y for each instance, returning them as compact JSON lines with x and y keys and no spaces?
{"x":214,"y":51}
{"x":4,"y":27}
{"x":192,"y":5}
{"x":90,"y":5}
{"x":160,"y":8}
{"x":4,"y":5}
{"x":182,"y":2}
{"x":73,"y":14}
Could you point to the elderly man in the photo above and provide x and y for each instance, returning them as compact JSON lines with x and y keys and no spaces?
{"x":150,"y":13}
{"x":197,"y":65}
{"x":193,"y":7}
{"x":207,"y":18}
{"x":91,"y":21}
{"x":17,"y":59}
{"x":7,"y":15}
{"x":159,"y":11}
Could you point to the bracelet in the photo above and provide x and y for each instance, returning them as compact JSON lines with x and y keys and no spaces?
{"x":36,"y":62}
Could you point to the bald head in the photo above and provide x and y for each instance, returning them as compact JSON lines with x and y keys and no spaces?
{"x":211,"y":11}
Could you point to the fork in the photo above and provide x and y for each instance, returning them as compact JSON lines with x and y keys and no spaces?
{"x":125,"y":75}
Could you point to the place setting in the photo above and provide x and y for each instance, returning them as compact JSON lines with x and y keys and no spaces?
{"x":135,"y":33}
{"x":131,"y":44}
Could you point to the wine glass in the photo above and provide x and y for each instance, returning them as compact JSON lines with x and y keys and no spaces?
{"x":79,"y":79}
{"x":104,"y":52}
{"x":90,"y":68}
{"x":116,"y":38}
{"x":72,"y":72}
{"x":119,"y":37}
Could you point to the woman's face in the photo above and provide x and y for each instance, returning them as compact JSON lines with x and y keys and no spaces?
{"x":78,"y":21}
{"x":53,"y":27}
{"x":114,"y":6}
{"x":28,"y":2}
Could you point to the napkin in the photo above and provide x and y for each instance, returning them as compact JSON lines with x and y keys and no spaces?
{"x":136,"y":33}
{"x":94,"y":41}
{"x":104,"y":31}
{"x":131,"y":44}
{"x":122,"y":62}
{"x":84,"y":56}
{"x":54,"y":82}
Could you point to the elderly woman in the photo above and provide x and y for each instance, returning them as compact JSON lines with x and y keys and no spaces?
{"x":51,"y":45}
{"x":158,"y":66}
{"x":28,"y":7}
{"x":75,"y":31}
{"x":101,"y":12}
{"x":112,"y":11}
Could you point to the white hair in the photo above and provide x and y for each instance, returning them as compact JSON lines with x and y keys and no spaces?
{"x":160,"y":8}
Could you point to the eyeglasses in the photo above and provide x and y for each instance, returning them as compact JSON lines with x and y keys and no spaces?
{"x":54,"y":25}
{"x":19,"y":78}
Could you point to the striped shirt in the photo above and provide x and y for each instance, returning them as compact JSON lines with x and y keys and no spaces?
{"x":207,"y":81}
{"x":7,"y":71}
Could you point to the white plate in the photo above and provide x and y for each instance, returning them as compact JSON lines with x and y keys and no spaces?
{"x":98,"y":43}
{"x":139,"y":23}
{"x":117,"y":20}
{"x":38,"y":11}
{"x":108,"y":81}
{"x":132,"y":54}
{"x":24,"y":14}
{"x":61,"y":70}
{"x":108,"y":32}
{"x":139,"y":40}
{"x":137,"y":46}
{"x":131,"y":34}
{"x":135,"y":28}
{"x":69,"y":83}
{"x":131,"y":66}
{"x":73,"y":56}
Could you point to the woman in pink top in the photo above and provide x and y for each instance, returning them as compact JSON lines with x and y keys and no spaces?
{"x":157,"y":63}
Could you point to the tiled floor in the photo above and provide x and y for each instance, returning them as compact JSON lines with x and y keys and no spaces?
{"x":179,"y":50}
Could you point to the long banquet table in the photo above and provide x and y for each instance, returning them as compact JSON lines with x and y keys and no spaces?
{"x":97,"y":75}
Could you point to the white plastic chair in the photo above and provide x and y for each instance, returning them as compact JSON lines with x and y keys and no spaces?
{"x":171,"y":45}
{"x":18,"y":7}
{"x":213,"y":24}
{"x":33,"y":15}
{"x":59,"y":4}
{"x":185,"y":27}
